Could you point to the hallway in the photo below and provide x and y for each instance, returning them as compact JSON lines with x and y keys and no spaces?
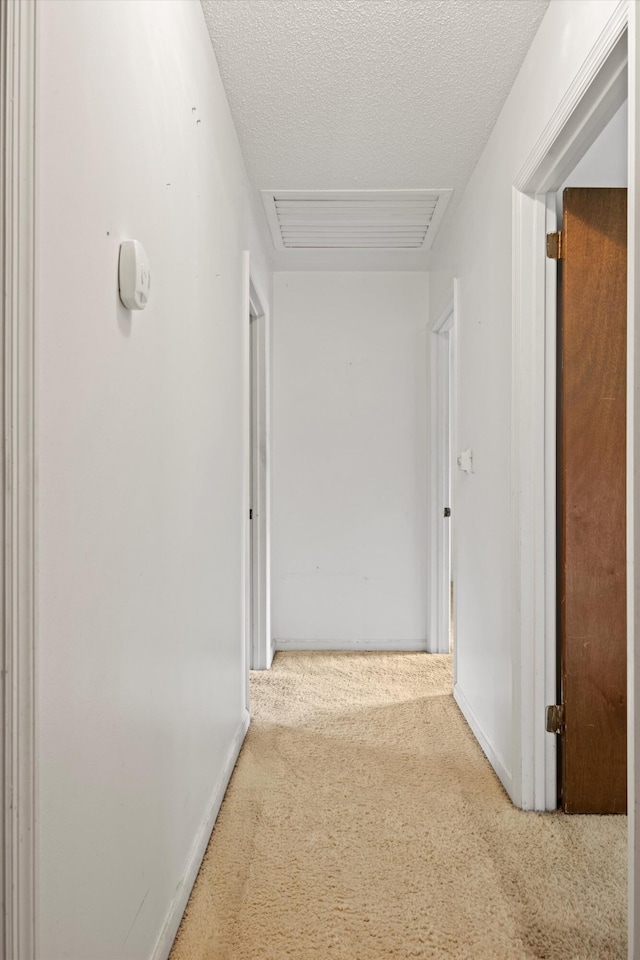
{"x":363,"y":822}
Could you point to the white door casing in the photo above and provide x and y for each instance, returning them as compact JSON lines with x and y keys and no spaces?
{"x":596,"y":93}
{"x":441,"y":492}
{"x":633,"y":480}
{"x":258,"y":606}
{"x":19,"y":517}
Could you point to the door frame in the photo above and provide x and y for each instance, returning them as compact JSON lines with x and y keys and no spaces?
{"x":595,"y":94}
{"x":257,"y":339}
{"x":441,"y":407}
{"x":633,"y":480}
{"x":18,"y":597}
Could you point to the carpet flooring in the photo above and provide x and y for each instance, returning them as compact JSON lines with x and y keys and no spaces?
{"x":363,"y":822}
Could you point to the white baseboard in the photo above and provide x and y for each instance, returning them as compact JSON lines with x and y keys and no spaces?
{"x":391,"y":646}
{"x":164,"y":942}
{"x":492,"y":755}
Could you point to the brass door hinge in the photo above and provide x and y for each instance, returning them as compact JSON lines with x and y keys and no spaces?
{"x":555,"y":718}
{"x":554,"y":246}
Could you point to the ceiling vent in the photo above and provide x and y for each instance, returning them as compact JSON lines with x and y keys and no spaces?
{"x":354,"y":219}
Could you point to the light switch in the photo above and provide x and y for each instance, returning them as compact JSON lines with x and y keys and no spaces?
{"x":465,"y":461}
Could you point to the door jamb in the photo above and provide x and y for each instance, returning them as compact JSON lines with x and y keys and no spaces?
{"x":18,"y":597}
{"x":597,"y":91}
{"x":633,"y":472}
{"x":259,"y":645}
{"x":439,"y":617}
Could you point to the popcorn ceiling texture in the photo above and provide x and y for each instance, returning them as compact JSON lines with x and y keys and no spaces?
{"x":369,"y":94}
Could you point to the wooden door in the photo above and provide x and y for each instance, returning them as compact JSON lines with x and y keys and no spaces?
{"x":592,"y":507}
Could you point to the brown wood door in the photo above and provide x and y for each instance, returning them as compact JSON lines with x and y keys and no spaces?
{"x":592,"y":508}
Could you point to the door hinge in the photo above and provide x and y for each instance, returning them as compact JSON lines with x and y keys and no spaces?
{"x":250,"y":514}
{"x":555,"y":718}
{"x":447,"y":511}
{"x":555,"y":246}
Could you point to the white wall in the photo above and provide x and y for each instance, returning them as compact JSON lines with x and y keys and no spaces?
{"x":349,"y":458}
{"x":606,"y":162}
{"x":140,"y":662}
{"x":476,"y":246}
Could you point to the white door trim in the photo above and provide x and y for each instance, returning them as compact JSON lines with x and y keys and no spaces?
{"x":633,"y":477}
{"x":442,"y":330}
{"x":247,"y":598}
{"x":597,"y":91}
{"x":19,"y":517}
{"x":262,"y":648}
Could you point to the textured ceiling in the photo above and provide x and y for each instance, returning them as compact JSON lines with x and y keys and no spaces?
{"x":367,"y":94}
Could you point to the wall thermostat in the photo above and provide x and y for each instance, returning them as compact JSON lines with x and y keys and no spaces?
{"x":134,"y":277}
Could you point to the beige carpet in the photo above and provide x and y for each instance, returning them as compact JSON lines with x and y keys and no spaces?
{"x":363,"y":822}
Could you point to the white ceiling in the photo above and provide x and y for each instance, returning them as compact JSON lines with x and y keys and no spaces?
{"x":367,"y":94}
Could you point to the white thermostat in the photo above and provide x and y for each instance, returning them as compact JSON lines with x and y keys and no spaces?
{"x":134,"y":277}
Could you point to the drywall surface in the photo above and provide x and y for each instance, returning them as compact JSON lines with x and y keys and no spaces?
{"x":141,"y":653}
{"x":349,"y":458}
{"x":605,"y":164}
{"x":476,"y":247}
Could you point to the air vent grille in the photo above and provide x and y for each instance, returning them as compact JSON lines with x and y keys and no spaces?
{"x":361,"y":219}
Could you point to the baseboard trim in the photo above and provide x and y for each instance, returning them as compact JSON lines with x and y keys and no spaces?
{"x":390,"y":646}
{"x":489,"y":751}
{"x":178,"y":905}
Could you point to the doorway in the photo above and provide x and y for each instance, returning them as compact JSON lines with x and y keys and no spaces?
{"x":258,"y":629}
{"x":591,"y":429}
{"x":590,"y":719}
{"x":598,"y":91}
{"x":442,"y":590}
{"x":590,"y":320}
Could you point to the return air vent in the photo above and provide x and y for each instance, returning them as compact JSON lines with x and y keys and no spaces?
{"x":354,"y":219}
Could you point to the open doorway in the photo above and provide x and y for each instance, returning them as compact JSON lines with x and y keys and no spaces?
{"x":442,"y":589}
{"x":259,"y":646}
{"x":596,"y":95}
{"x":591,"y":253}
{"x":590,"y":716}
